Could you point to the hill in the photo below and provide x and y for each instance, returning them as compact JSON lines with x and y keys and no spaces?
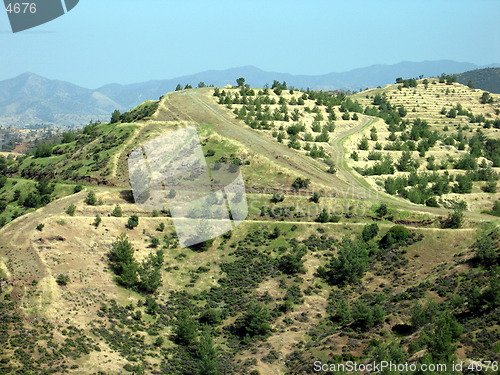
{"x":328,"y":267}
{"x":31,"y":99}
{"x":485,"y":79}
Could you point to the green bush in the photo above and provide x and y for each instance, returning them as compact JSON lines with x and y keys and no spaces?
{"x":369,"y":232}
{"x":454,"y":220}
{"x":62,"y":279}
{"x":133,"y":222}
{"x":91,"y":199}
{"x":117,"y":211}
{"x":363,"y":144}
{"x":487,"y":249}
{"x":155,"y":242}
{"x":185,"y":331}
{"x":396,"y":236}
{"x":71,"y":210}
{"x":315,"y":197}
{"x":277,"y":197}
{"x":301,"y":183}
{"x":349,"y":265}
{"x":382,"y":210}
{"x":255,"y":322}
{"x":364,"y":316}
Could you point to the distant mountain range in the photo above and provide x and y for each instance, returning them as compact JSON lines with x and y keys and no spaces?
{"x":31,"y":99}
{"x":486,"y":79}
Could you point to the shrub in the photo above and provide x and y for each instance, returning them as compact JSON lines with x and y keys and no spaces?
{"x":155,"y":242}
{"x":91,"y":199}
{"x":43,"y":151}
{"x":432,"y":202}
{"x":117,"y":211}
{"x":291,"y":264}
{"x":323,"y":217}
{"x":382,"y":210}
{"x":349,"y":265}
{"x":62,"y":279}
{"x":277,"y":197}
{"x":464,"y":184}
{"x":490,"y":187}
{"x":211,"y":317}
{"x":363,"y":144}
{"x":454,"y":220}
{"x":487,"y":250}
{"x":256,"y":321}
{"x":300,"y":183}
{"x":71,"y":210}
{"x":495,"y":211}
{"x":315,"y":197}
{"x":369,"y":232}
{"x":365,"y":316}
{"x":32,"y":200}
{"x":133,"y":222}
{"x":397,"y":235}
{"x":185,"y":329}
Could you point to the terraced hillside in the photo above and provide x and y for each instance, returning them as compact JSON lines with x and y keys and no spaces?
{"x":435,"y":141}
{"x":457,"y":136}
{"x":328,"y":266}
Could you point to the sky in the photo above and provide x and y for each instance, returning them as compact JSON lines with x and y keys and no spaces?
{"x":127,"y":41}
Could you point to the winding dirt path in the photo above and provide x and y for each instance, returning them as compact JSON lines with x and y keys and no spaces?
{"x":197,"y":106}
{"x":24,"y":262}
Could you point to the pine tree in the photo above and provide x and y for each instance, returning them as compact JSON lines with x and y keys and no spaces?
{"x":256,"y":321}
{"x":91,"y":199}
{"x":185,"y":329}
{"x":115,"y":116}
{"x":240,"y":82}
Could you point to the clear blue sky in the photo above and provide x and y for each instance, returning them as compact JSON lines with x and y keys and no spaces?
{"x":126,"y":41}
